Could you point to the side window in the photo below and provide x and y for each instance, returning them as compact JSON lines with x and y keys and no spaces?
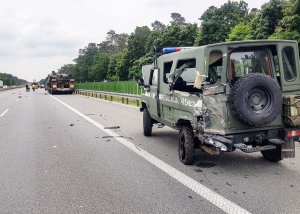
{"x":186,"y":80}
{"x":183,"y":61}
{"x":289,"y":64}
{"x":167,"y":70}
{"x":189,"y":75}
{"x":154,"y":77}
{"x":215,"y":66}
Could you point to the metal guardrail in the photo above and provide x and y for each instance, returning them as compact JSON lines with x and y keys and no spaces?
{"x":112,"y":93}
{"x":129,"y":99}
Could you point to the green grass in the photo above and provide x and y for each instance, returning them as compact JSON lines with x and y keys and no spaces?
{"x":128,"y":87}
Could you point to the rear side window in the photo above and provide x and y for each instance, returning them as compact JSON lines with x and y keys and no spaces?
{"x":289,"y":64}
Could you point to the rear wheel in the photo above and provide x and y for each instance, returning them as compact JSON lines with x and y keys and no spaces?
{"x":273,"y":155}
{"x":186,"y":142}
{"x":147,"y":123}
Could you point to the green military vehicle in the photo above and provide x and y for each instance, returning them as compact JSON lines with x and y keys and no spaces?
{"x":226,"y":96}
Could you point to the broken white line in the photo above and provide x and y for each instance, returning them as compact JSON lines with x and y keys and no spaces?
{"x":4,"y":113}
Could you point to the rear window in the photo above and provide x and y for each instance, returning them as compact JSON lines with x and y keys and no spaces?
{"x":252,"y":61}
{"x":289,"y":64}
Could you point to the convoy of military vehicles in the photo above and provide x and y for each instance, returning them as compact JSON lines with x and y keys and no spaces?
{"x":227,"y":96}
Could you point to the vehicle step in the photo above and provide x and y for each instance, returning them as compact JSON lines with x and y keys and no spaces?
{"x":240,"y":145}
{"x":276,"y":141}
{"x":258,"y":148}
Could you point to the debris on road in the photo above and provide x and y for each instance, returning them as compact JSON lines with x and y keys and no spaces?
{"x":112,"y":127}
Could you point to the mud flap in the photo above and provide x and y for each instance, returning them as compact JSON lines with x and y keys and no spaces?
{"x":288,"y":149}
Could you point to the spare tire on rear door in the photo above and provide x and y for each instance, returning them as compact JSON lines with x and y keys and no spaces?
{"x":256,"y":99}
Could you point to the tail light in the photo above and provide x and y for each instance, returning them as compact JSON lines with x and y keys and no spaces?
{"x":295,"y":133}
{"x":72,"y":85}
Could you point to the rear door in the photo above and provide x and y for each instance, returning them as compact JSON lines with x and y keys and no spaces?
{"x":288,"y":59}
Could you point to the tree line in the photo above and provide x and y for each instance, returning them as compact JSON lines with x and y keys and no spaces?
{"x":10,"y":80}
{"x":121,"y":56}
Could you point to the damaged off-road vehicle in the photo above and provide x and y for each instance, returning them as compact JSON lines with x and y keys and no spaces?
{"x":227,"y":96}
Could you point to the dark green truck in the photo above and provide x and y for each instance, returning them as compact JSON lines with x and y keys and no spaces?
{"x":226,"y":96}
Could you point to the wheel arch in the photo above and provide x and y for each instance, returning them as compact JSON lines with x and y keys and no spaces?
{"x":144,"y":106}
{"x":183,"y":122}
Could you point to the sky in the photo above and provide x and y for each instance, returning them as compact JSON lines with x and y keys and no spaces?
{"x":38,"y":36}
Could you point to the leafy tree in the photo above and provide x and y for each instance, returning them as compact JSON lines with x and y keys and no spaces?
{"x":241,"y":31}
{"x":135,"y":70}
{"x":137,"y":44}
{"x":157,"y":26}
{"x":289,"y":26}
{"x":100,"y":67}
{"x":177,"y":19}
{"x":217,"y":22}
{"x":114,"y":42}
{"x":177,"y":36}
{"x":267,"y":19}
{"x":85,"y":61}
{"x":67,"y":69}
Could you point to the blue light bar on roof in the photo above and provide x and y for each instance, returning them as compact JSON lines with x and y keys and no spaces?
{"x":171,"y":50}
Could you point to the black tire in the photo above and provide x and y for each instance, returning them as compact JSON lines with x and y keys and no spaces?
{"x":147,"y":123}
{"x":273,"y":155}
{"x":186,"y":148}
{"x":256,"y":99}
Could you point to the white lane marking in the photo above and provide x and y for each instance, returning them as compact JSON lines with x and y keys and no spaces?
{"x":206,"y":193}
{"x":4,"y":112}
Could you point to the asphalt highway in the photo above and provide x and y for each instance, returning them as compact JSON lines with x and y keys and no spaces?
{"x":73,"y":154}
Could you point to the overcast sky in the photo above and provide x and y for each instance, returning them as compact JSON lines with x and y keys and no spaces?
{"x":38,"y":36}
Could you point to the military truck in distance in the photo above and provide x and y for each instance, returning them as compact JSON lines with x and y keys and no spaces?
{"x":59,"y":83}
{"x":226,"y":96}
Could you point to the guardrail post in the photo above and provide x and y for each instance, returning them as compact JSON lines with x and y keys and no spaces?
{"x":127,"y":101}
{"x":105,"y":96}
{"x":122,"y":100}
{"x":137,"y":103}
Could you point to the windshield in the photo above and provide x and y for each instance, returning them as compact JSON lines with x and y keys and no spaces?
{"x":246,"y":62}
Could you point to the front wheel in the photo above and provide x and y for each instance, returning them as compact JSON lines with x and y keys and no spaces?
{"x":147,"y":123}
{"x":273,"y":155}
{"x":186,"y":142}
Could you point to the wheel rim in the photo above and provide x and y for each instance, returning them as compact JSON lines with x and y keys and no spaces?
{"x":258,"y":100}
{"x":181,"y":147}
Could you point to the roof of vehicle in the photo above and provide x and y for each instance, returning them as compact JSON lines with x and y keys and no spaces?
{"x":231,"y":44}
